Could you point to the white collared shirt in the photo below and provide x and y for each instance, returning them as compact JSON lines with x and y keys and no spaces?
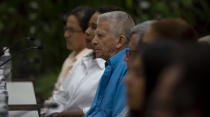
{"x":79,"y":88}
{"x":67,"y":66}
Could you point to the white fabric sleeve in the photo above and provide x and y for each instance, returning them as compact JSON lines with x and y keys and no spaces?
{"x":60,"y":99}
{"x":61,"y":96}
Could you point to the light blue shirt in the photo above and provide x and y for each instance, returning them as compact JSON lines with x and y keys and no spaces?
{"x":110,"y":100}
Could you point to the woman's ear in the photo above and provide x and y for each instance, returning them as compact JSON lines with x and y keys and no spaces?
{"x":122,"y":40}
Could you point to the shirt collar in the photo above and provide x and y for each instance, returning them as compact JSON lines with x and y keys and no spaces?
{"x":85,"y":51}
{"x":114,"y":60}
{"x":100,"y":62}
{"x":85,"y":59}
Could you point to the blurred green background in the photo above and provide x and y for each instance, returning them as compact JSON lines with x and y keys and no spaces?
{"x":43,"y":19}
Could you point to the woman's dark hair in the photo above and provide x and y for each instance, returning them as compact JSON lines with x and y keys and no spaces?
{"x":83,"y":14}
{"x":191,"y":92}
{"x":155,"y":58}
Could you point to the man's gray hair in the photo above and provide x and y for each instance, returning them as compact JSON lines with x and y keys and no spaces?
{"x":120,"y":22}
{"x":141,"y":27}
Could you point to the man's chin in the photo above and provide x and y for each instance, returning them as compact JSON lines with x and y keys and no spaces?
{"x":98,"y":56}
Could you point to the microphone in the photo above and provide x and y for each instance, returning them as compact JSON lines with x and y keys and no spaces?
{"x":20,"y":52}
{"x":32,"y":48}
{"x":15,"y":43}
{"x":51,"y":105}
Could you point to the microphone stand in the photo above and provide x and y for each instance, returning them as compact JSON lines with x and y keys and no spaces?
{"x":15,"y":43}
{"x":35,"y":47}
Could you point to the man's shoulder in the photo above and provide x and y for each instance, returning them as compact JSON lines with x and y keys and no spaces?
{"x":121,"y":67}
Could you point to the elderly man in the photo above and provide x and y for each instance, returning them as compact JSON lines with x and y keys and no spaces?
{"x":110,"y":43}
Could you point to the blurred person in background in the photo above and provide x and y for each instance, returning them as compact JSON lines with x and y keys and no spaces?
{"x":182,"y":88}
{"x":77,"y":92}
{"x":76,"y":23}
{"x":170,"y":29}
{"x":147,"y":63}
{"x":137,"y":33}
{"x":110,"y":43}
{"x":135,"y":36}
{"x":138,"y":77}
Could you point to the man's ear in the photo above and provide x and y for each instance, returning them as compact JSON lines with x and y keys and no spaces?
{"x":122,"y":40}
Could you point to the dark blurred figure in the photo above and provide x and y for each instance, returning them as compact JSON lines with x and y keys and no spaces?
{"x":147,"y":64}
{"x":170,"y":29}
{"x":136,"y":34}
{"x":182,"y":90}
{"x":149,"y":60}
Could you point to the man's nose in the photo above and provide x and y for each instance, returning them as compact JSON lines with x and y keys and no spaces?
{"x":94,"y":41}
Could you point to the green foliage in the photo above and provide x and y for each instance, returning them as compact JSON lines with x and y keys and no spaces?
{"x":45,"y":84}
{"x":195,"y":12}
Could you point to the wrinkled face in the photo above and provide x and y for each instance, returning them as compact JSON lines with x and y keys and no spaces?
{"x":135,"y":82}
{"x":90,"y":32}
{"x":75,"y":38}
{"x":149,"y":35}
{"x":105,"y":43}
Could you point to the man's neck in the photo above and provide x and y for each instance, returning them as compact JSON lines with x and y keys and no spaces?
{"x":114,"y":53}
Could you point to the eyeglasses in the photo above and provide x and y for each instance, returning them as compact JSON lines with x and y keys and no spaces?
{"x":71,"y":30}
{"x":130,"y":52}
